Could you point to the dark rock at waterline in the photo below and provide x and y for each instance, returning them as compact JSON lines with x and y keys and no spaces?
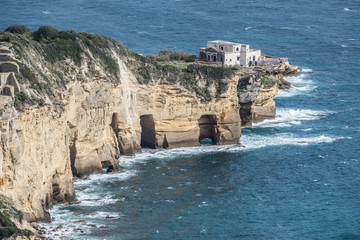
{"x":284,"y":84}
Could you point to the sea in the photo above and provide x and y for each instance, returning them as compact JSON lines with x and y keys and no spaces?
{"x":293,"y":177}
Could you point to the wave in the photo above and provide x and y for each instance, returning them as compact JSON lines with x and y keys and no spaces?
{"x":46,"y":12}
{"x":289,"y":117}
{"x":103,"y":215}
{"x":87,"y":199}
{"x":347,"y":9}
{"x":306,"y":70}
{"x":287,"y":28}
{"x":255,"y":141}
{"x":295,"y":90}
{"x":99,"y":178}
{"x":247,"y":28}
{"x":300,"y":84}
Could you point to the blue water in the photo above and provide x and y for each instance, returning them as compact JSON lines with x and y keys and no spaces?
{"x":298,"y":176}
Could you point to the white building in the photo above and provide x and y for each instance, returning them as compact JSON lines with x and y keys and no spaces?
{"x":229,"y":53}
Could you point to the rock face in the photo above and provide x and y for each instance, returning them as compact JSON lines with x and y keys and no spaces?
{"x":75,"y":115}
{"x":257,"y":91}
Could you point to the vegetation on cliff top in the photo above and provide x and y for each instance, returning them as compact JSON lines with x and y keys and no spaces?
{"x":7,"y":215}
{"x":257,"y":80}
{"x":49,"y":59}
{"x":268,"y":81}
{"x":179,"y":68}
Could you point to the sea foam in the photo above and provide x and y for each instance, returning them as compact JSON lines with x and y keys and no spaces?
{"x":288,"y":117}
{"x":301,"y":84}
{"x":255,"y":141}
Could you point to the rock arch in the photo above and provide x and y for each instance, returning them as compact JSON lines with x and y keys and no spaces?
{"x":208,"y":130}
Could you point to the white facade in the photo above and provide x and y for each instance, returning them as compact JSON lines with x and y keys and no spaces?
{"x":229,"y":53}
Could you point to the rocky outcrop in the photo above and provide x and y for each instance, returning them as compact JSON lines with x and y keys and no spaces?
{"x":257,"y":90}
{"x":76,"y":114}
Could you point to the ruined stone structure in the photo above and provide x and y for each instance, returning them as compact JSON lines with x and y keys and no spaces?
{"x":229,"y":54}
{"x":8,"y":67}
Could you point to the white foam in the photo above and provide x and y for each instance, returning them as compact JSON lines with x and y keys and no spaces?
{"x":295,"y":90}
{"x":247,"y":28}
{"x":46,"y":12}
{"x":306,"y":70}
{"x":96,"y":178}
{"x":103,"y":215}
{"x":300,"y":79}
{"x":254,"y":141}
{"x":90,"y":199}
{"x":300,"y":85}
{"x":287,"y":28}
{"x":71,"y":228}
{"x":347,"y":9}
{"x":127,"y":162}
{"x":288,"y":117}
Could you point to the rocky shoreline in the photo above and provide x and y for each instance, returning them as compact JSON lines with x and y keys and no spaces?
{"x":78,"y":101}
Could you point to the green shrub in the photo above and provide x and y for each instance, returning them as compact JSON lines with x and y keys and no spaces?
{"x":19,"y":29}
{"x":170,"y":55}
{"x":46,"y":32}
{"x":267,"y":81}
{"x":67,"y":35}
{"x":191,"y":58}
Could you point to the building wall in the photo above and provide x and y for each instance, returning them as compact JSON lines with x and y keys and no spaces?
{"x":232,"y":59}
{"x":243,"y":55}
{"x":253,"y":56}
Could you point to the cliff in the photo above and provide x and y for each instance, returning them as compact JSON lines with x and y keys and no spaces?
{"x":78,"y":101}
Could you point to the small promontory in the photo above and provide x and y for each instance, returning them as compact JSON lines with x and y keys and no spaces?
{"x":73,"y":102}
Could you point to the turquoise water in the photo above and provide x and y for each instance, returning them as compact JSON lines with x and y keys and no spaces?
{"x":295,"y":177}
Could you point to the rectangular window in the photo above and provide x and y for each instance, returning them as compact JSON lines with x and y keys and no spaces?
{"x":230,"y":59}
{"x":238,"y":58}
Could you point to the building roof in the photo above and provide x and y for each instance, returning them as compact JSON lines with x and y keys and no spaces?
{"x":225,"y":43}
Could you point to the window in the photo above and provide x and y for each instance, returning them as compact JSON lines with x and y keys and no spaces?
{"x":238,"y":58}
{"x":230,"y":59}
{"x":237,"y":49}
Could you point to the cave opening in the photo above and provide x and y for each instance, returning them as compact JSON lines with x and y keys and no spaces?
{"x":148,"y":133}
{"x":207,"y":125}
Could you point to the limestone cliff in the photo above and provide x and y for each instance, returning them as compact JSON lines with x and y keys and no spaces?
{"x":83,"y":100}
